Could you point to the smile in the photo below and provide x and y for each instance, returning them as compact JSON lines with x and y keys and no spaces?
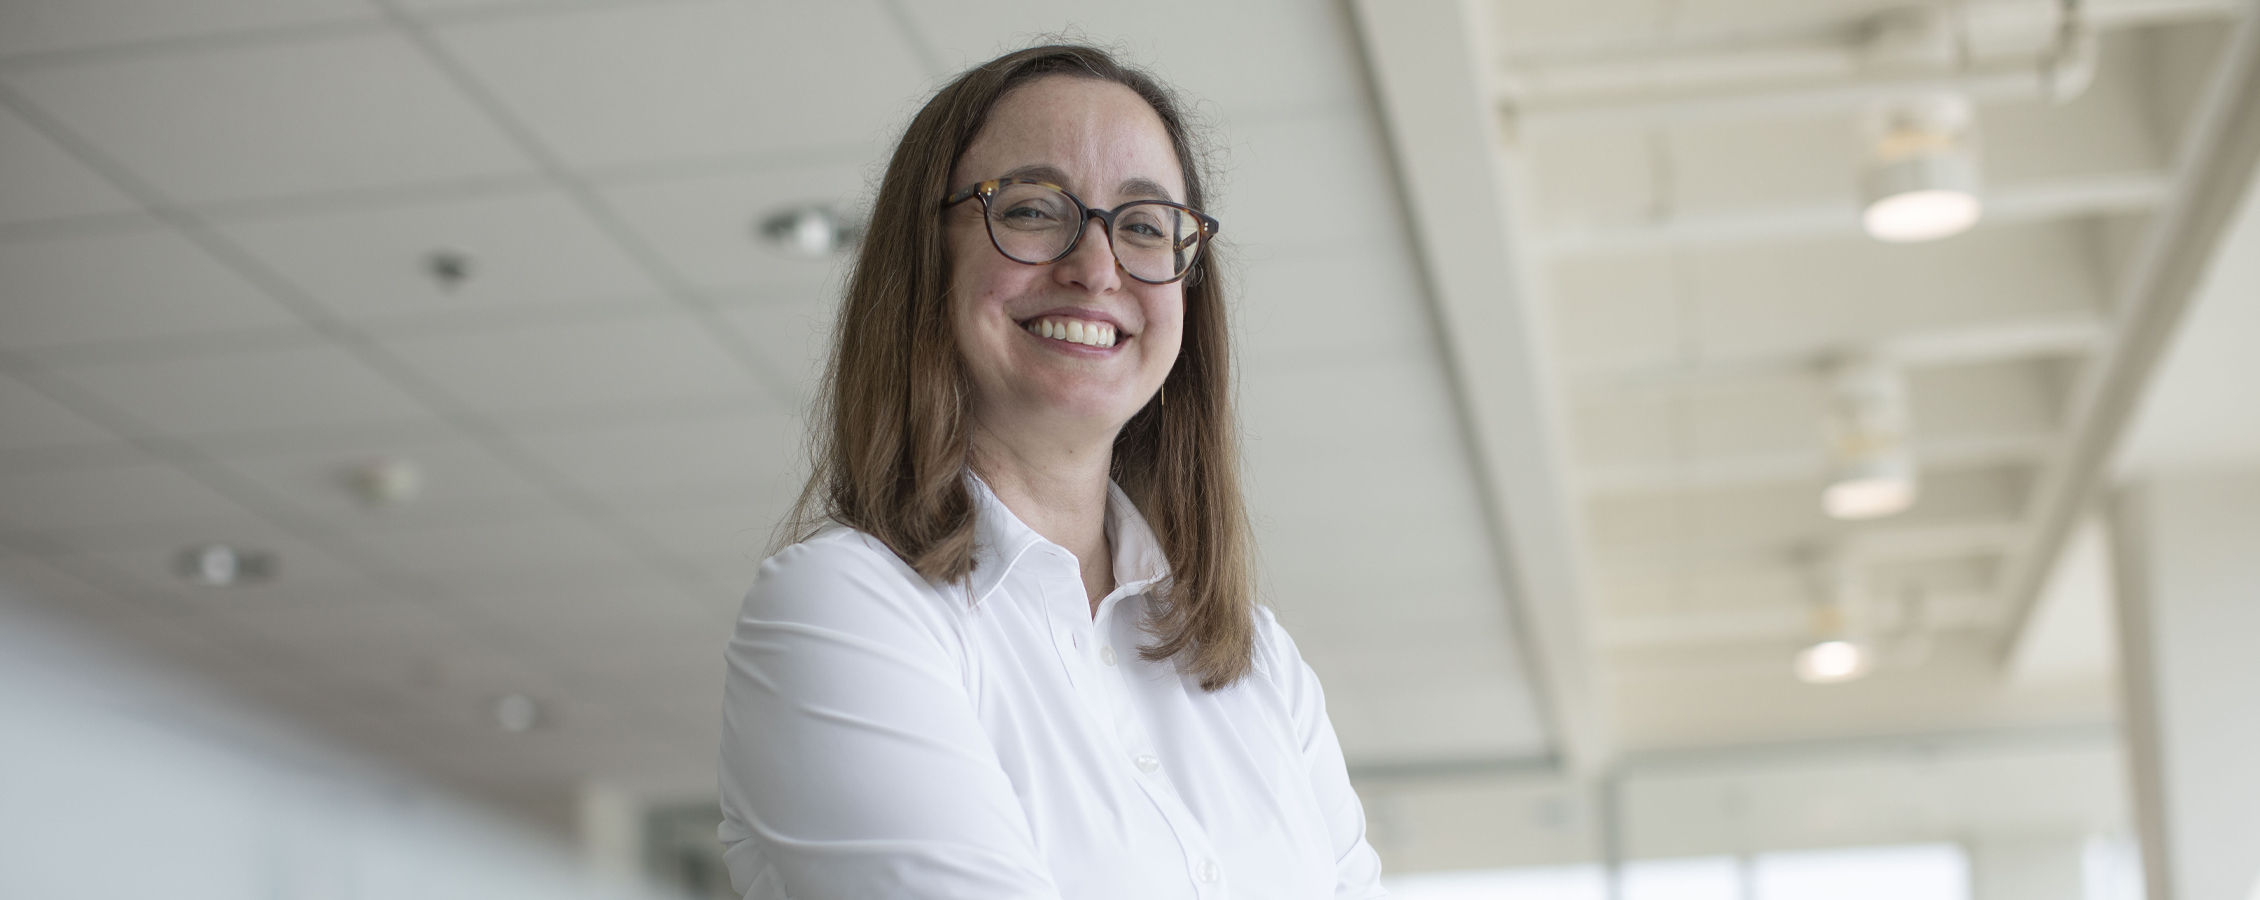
{"x":1072,"y":330}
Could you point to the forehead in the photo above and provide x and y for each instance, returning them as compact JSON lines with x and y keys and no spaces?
{"x":1101,"y":134}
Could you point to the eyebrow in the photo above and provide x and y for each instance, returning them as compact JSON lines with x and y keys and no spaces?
{"x":1136,"y":187}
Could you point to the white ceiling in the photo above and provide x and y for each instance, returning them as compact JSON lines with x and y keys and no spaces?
{"x":1689,"y":175}
{"x":214,"y":222}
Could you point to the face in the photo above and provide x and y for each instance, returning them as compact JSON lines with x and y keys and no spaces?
{"x":1102,"y":143}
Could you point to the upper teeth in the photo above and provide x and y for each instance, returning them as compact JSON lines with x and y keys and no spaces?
{"x":1079,"y":331}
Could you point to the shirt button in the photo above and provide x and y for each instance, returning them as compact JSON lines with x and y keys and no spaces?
{"x":1106,"y":655}
{"x":1207,"y":872}
{"x":1148,"y":764}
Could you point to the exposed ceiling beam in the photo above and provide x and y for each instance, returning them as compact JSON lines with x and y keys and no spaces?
{"x":2035,"y":337}
{"x":1893,"y":54}
{"x":1932,"y":455}
{"x":1425,"y":67}
{"x":2097,"y":194}
{"x":1868,"y":546}
{"x":2216,"y":171}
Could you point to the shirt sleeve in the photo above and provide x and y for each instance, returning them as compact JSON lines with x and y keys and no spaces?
{"x":853,"y":764}
{"x":1357,"y":868}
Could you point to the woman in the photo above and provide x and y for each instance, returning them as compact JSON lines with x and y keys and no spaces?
{"x":1018,"y":656}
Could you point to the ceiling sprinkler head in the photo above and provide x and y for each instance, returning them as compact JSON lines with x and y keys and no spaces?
{"x":516,"y":713}
{"x":449,"y":268}
{"x":219,"y":565}
{"x":385,"y":483}
{"x":812,"y":230}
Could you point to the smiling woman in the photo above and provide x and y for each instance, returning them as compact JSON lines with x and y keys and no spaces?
{"x":1013,"y":650}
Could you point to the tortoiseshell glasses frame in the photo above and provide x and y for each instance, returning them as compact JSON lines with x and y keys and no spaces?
{"x":1183,"y":250}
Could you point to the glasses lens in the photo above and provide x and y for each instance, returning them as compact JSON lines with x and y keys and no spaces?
{"x":1033,"y":223}
{"x":1155,"y":241}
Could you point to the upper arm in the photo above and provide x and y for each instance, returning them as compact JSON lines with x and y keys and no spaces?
{"x":1357,"y":866}
{"x":850,"y":748}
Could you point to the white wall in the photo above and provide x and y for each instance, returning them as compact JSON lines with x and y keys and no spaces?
{"x":2190,"y":559}
{"x":121,"y":779}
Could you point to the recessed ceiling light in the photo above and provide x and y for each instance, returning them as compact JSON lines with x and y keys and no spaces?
{"x":813,"y":230}
{"x":516,"y":713}
{"x":220,"y":565}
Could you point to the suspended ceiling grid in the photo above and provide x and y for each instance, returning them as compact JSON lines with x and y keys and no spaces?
{"x":1688,"y":173}
{"x":214,"y":218}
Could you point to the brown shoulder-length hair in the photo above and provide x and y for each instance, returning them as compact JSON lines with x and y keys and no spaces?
{"x":890,"y":446}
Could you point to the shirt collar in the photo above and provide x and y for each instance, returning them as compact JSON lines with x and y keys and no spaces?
{"x":1001,"y":541}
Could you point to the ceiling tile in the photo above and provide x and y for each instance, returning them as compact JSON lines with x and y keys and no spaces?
{"x":707,"y":227}
{"x":794,"y":337}
{"x":654,"y":82}
{"x":52,"y":25}
{"x":1761,"y":302}
{"x":47,"y":501}
{"x":498,"y":546}
{"x":458,"y":478}
{"x":1283,"y":197}
{"x":733,"y":535}
{"x":33,"y":420}
{"x":41,"y":181}
{"x":273,"y":389}
{"x":524,"y":251}
{"x":628,"y":360}
{"x":757,"y":452}
{"x":278,"y":119}
{"x":1295,"y":65}
{"x":1322,"y":304}
{"x":140,"y":284}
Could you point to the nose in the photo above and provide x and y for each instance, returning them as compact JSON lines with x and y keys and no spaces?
{"x":1092,"y":265}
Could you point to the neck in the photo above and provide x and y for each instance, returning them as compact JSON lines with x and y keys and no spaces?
{"x":1057,"y":489}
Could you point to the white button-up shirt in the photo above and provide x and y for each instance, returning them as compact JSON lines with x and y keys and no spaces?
{"x":887,"y":737}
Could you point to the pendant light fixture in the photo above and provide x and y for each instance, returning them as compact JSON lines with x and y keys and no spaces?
{"x":1871,"y":466}
{"x":1921,"y":179}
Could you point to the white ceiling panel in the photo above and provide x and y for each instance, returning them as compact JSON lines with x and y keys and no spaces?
{"x":458,"y":477}
{"x":137,"y":284}
{"x":707,"y":228}
{"x":1280,"y":197}
{"x":1623,"y":312}
{"x":524,"y":251}
{"x":754,"y":451}
{"x":41,"y":181}
{"x":716,"y":531}
{"x":81,"y":498}
{"x":657,"y":82}
{"x":31,"y":26}
{"x":795,"y":337}
{"x":1326,"y":302}
{"x":500,"y":545}
{"x":624,"y":360}
{"x":1761,"y":302}
{"x":270,"y":389}
{"x":288,"y":118}
{"x":1200,"y":48}
{"x":29,"y":419}
{"x":1775,"y":162}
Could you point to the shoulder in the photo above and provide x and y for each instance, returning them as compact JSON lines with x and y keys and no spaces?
{"x":839,"y":575}
{"x":1277,"y":659}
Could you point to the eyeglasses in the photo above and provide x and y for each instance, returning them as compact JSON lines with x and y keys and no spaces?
{"x":1037,"y":223}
